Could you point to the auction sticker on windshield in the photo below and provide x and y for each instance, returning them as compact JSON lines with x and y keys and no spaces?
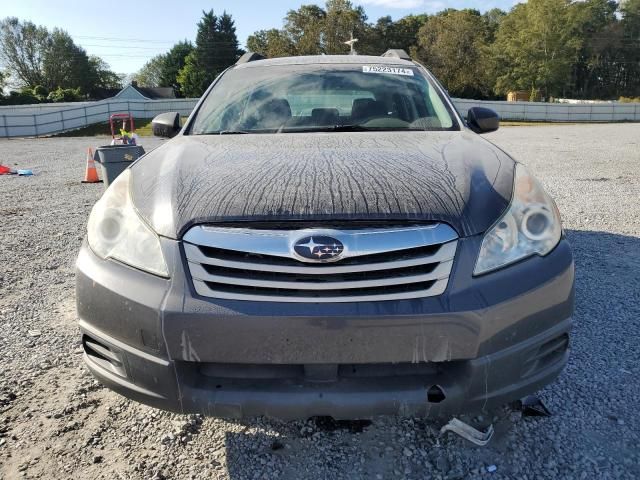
{"x":392,"y":70}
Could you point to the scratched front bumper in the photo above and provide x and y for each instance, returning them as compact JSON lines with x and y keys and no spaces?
{"x":489,"y":339}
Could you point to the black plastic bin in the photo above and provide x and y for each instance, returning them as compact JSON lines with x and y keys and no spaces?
{"x":114,"y":159}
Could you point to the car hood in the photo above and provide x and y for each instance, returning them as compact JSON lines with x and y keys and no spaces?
{"x":454,"y":177}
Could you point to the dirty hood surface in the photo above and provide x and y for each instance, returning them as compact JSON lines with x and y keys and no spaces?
{"x":454,"y":177}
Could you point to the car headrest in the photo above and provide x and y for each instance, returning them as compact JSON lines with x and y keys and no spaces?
{"x":277,"y":106}
{"x":366,"y":108}
{"x":273,"y":113}
{"x":325,"y":116}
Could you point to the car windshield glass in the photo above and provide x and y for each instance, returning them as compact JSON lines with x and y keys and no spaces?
{"x":341,"y":98}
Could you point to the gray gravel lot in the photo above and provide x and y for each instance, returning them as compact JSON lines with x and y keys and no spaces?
{"x":56,"y":422}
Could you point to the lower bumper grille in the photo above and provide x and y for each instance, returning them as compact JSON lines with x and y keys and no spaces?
{"x":241,"y":372}
{"x":551,"y":352}
{"x":377,"y":265}
{"x":106,"y":357}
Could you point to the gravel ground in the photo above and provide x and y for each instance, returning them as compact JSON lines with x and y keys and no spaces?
{"x":57,"y":422}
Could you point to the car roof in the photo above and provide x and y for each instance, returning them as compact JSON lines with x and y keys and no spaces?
{"x":327,"y":60}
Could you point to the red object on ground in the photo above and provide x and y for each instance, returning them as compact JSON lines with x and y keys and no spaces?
{"x":4,"y":170}
{"x":126,"y":118}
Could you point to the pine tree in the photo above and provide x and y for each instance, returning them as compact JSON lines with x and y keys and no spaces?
{"x":229,"y":47}
{"x":216,"y":49}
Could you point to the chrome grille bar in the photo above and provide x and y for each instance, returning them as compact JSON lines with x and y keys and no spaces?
{"x":441,"y":271}
{"x":437,"y":288}
{"x":356,"y":242}
{"x":195,"y":255}
{"x":376,"y":265}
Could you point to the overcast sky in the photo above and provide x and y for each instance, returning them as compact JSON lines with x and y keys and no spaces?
{"x":134,"y":31}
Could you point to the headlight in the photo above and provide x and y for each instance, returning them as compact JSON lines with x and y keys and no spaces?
{"x":531,"y":226}
{"x":116,"y":231}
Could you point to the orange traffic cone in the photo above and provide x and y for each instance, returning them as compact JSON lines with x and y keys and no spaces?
{"x":91,"y":174}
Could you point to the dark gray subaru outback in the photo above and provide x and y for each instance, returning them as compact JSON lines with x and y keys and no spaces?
{"x":325,"y":236}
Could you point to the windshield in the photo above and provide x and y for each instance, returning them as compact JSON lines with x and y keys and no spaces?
{"x":302,"y":98}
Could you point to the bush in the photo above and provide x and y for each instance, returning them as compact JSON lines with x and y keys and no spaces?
{"x":19,"y":98}
{"x":65,"y":95}
{"x":629,"y":99}
{"x":40,"y":92}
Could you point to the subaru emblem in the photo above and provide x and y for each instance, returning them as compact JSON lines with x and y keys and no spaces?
{"x":319,"y":248}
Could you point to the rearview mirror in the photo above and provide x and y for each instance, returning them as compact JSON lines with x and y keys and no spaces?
{"x":166,"y":125}
{"x":483,"y":120}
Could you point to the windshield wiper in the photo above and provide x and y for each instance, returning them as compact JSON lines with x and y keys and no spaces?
{"x":327,"y":128}
{"x":232,"y":132}
{"x":319,"y":128}
{"x":350,"y":128}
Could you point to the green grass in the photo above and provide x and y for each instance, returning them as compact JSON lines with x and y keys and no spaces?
{"x":143,"y":129}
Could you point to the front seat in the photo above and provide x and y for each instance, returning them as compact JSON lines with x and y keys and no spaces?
{"x":272,"y":114}
{"x":366,"y":108}
{"x":325,"y":116}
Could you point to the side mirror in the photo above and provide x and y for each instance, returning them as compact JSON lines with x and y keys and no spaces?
{"x":483,"y":120}
{"x":166,"y":125}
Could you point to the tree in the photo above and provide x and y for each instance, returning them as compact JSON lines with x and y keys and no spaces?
{"x":342,"y":21}
{"x":192,"y":78}
{"x":216,"y":49}
{"x":65,"y":65}
{"x":305,"y":29}
{"x":630,"y":11}
{"x":373,"y":40}
{"x":258,"y":42}
{"x":492,"y":19}
{"x":100,"y":75}
{"x":49,"y":61}
{"x":22,"y":50}
{"x":453,"y":44}
{"x":536,"y":47}
{"x":271,"y":43}
{"x":174,"y":61}
{"x":229,"y":46}
{"x":312,"y":30}
{"x":596,"y":73}
{"x":2,"y":84}
{"x":580,"y":48}
{"x":385,"y":34}
{"x":150,"y":75}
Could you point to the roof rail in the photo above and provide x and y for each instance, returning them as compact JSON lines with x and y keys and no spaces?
{"x":397,"y":53}
{"x":249,"y":57}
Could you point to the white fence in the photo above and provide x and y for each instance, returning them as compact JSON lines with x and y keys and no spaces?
{"x":556,"y":112}
{"x":49,"y":119}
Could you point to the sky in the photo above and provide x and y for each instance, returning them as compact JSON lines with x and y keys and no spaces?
{"x":131,"y":32}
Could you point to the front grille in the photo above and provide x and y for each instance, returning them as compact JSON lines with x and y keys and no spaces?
{"x":379,"y":264}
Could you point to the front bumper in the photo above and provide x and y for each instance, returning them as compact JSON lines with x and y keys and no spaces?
{"x":486,"y":341}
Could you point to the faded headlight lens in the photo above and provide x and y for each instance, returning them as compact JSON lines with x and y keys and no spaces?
{"x":531,"y":226}
{"x":116,"y":231}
